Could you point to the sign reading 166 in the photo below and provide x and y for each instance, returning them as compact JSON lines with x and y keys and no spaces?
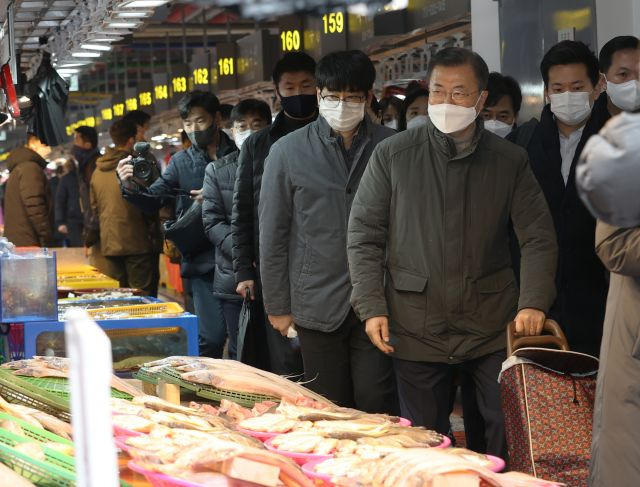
{"x":226,"y":66}
{"x":290,"y":40}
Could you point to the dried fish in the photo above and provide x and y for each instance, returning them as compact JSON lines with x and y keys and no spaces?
{"x":270,"y":423}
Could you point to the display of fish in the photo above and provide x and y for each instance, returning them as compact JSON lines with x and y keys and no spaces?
{"x":45,"y":421}
{"x":425,"y":468}
{"x":157,"y":404}
{"x":351,"y":430}
{"x":217,"y":455}
{"x":269,"y":423}
{"x":302,"y":442}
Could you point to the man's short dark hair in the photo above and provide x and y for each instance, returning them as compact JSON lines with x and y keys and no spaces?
{"x":88,"y":134}
{"x":225,"y":111}
{"x":138,"y":117}
{"x":202,"y":99}
{"x":346,"y":71}
{"x":293,"y":62}
{"x":570,"y":52}
{"x":620,"y":43}
{"x":251,"y":106}
{"x":499,"y":86}
{"x":123,"y":130}
{"x":458,"y":56}
{"x":388,"y":101}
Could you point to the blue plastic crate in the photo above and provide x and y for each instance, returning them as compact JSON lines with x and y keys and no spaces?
{"x":187,"y":323}
{"x":28,"y":287}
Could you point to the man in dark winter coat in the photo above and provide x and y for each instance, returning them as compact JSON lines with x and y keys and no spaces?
{"x":576,"y":112}
{"x":293,"y":77}
{"x":68,"y":214}
{"x":185,"y":174}
{"x":247,"y":117}
{"x":28,"y":205}
{"x":310,"y":180}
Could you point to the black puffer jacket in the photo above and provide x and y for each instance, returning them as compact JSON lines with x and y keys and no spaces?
{"x":67,"y":200}
{"x":246,"y":196}
{"x":219,"y":180}
{"x":185,"y":172}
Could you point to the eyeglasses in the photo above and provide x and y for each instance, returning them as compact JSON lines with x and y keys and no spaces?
{"x":333,"y":101}
{"x":438,"y":96}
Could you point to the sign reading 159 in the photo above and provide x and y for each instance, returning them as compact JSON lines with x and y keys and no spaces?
{"x":290,"y":40}
{"x":179,"y":84}
{"x":226,"y":66}
{"x":333,"y":23}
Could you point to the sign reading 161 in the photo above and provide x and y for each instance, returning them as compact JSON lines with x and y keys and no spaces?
{"x":290,"y":40}
{"x":225,"y":66}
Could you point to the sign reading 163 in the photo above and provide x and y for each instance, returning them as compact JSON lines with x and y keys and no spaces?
{"x":290,"y":40}
{"x":179,"y":84}
{"x":226,"y":66}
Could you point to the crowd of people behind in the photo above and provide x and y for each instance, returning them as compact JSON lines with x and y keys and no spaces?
{"x":383,"y":246}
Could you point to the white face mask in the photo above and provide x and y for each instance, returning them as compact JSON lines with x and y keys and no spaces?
{"x":343,"y":118}
{"x":392,"y":124}
{"x":417,"y":121}
{"x":625,"y":96}
{"x":571,"y":107}
{"x":499,"y":128}
{"x":450,"y":118}
{"x":241,"y":136}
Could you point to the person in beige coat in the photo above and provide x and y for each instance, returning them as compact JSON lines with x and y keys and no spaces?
{"x":615,"y":456}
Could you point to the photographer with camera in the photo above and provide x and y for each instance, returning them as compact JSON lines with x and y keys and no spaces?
{"x":130,"y":239}
{"x":182,"y":182}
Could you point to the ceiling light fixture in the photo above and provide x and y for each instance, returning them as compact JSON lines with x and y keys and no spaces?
{"x":96,"y":47}
{"x":143,"y":3}
{"x":135,"y":14}
{"x":86,"y":54}
{"x":123,"y":25}
{"x":67,"y":71}
{"x":74,"y":64}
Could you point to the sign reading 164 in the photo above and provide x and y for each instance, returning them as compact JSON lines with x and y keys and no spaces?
{"x":290,"y":40}
{"x":226,"y":66}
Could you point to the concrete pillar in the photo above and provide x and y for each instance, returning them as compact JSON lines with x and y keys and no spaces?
{"x":617,"y":18}
{"x":485,"y":32}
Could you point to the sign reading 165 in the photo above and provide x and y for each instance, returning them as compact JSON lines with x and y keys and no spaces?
{"x":225,"y":66}
{"x":290,"y":40}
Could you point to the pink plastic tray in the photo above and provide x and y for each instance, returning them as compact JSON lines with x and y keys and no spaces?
{"x":446,"y":443}
{"x":299,"y":458}
{"x":404,"y":422}
{"x":260,"y":435}
{"x":122,"y":432}
{"x":121,"y":442}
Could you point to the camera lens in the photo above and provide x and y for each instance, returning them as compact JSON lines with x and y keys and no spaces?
{"x":142,"y":169}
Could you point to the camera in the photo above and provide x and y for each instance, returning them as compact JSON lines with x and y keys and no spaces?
{"x":144,"y":167}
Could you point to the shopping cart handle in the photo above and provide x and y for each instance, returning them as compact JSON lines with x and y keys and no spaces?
{"x":554,"y":338}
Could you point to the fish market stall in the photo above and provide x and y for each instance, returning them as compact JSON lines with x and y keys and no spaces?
{"x":275,"y":433}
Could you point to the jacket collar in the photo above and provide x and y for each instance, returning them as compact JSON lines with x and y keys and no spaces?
{"x":445,"y":144}
{"x":278,"y":128}
{"x":24,"y":154}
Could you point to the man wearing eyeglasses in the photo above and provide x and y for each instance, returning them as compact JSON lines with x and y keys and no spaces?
{"x":428,"y":250}
{"x":309,"y":182}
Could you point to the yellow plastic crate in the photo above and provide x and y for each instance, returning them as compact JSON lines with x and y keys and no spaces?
{"x":86,"y":281}
{"x":137,"y":311}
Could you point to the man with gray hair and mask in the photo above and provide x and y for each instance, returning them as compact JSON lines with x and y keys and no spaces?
{"x":428,"y":248}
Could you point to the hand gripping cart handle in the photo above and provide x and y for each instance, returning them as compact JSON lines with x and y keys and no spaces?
{"x":554,"y":338}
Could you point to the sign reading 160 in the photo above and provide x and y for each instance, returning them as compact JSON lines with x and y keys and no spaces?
{"x":333,"y":23}
{"x":290,"y":40}
{"x":225,"y":66}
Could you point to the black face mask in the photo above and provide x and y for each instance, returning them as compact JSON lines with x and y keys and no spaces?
{"x":81,"y":154}
{"x":299,"y":106}
{"x":203,"y":138}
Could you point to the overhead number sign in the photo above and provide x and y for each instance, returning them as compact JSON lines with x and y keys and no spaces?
{"x":179,"y":84}
{"x":107,"y":114}
{"x":118,"y":110}
{"x":145,"y":99}
{"x":160,"y":91}
{"x":291,"y":31}
{"x":333,"y":23}
{"x":131,"y":104}
{"x":226,"y":65}
{"x":291,"y":40}
{"x":201,"y":76}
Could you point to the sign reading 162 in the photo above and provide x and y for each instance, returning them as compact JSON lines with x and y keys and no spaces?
{"x":290,"y":40}
{"x":225,"y":66}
